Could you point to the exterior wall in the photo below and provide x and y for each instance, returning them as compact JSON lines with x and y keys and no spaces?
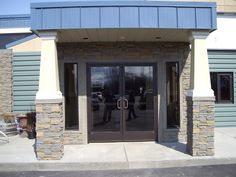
{"x":159,"y":53}
{"x":224,"y":37}
{"x":5,"y":81}
{"x":226,"y":6}
{"x":25,"y":71}
{"x":33,"y":45}
{"x":25,"y":68}
{"x":72,"y":137}
{"x":224,"y":61}
{"x":170,"y":135}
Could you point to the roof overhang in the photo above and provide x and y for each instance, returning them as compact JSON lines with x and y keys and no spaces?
{"x":90,"y":16}
{"x":15,"y":24}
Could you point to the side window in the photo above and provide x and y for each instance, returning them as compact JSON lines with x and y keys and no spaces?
{"x":222,"y":85}
{"x":71,"y":96}
{"x":172,"y":94}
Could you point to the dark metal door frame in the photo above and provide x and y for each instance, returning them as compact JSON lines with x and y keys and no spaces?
{"x":122,"y":135}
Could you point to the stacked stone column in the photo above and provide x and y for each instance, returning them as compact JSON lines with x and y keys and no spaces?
{"x":49,"y":129}
{"x":5,"y":81}
{"x":200,"y":131}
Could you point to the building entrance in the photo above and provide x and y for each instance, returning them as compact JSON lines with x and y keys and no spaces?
{"x":121,"y":104}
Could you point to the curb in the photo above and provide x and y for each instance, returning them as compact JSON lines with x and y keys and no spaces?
{"x":76,"y":166}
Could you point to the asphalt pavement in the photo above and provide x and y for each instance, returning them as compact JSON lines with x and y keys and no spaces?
{"x":197,"y":171}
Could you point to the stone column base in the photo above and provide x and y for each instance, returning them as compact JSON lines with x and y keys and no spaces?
{"x":49,"y":129}
{"x":200,"y":128}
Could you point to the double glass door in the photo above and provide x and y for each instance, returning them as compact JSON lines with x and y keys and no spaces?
{"x":121,"y":102}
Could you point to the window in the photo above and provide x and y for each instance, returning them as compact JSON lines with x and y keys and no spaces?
{"x":71,"y":96}
{"x":222,"y":85}
{"x":172,"y":94}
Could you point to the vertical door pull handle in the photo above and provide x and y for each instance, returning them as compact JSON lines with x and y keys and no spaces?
{"x":118,"y":103}
{"x":126,"y":103}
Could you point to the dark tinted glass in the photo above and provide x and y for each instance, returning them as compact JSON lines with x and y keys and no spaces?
{"x":225,"y":87}
{"x":222,"y":85}
{"x":172,"y":93}
{"x":105,"y":98}
{"x":139,"y":94}
{"x":71,"y":96}
{"x":214,"y":84}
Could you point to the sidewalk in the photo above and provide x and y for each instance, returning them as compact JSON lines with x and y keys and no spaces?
{"x":19,"y":154}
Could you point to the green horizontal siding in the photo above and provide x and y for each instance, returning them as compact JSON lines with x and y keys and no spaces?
{"x":224,"y":61}
{"x":26,"y":73}
{"x":26,"y":63}
{"x":25,"y":81}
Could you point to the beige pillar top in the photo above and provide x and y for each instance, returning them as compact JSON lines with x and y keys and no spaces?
{"x":49,"y":79}
{"x":200,"y":85}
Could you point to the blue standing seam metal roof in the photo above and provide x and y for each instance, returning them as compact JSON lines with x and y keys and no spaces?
{"x":123,"y":14}
{"x":121,"y":3}
{"x":15,"y":21}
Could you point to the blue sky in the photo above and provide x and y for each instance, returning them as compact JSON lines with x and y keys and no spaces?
{"x":11,"y":7}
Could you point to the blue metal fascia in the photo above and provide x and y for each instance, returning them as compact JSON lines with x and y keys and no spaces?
{"x":214,"y":18}
{"x":21,"y":41}
{"x":90,"y":14}
{"x":14,"y":16}
{"x":15,"y":21}
{"x":121,"y":3}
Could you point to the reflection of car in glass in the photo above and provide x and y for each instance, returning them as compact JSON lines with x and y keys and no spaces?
{"x":95,"y":101}
{"x":99,"y":94}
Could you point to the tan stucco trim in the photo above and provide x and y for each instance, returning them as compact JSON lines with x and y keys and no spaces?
{"x":28,"y":46}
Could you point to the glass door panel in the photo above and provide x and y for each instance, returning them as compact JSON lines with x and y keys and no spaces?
{"x":139,"y":98}
{"x":121,"y":103}
{"x":105,"y":98}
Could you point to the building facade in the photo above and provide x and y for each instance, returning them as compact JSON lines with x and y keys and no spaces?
{"x":121,"y":71}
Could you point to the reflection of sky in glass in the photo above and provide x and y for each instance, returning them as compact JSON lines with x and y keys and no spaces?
{"x":140,"y":71}
{"x":102,"y":75}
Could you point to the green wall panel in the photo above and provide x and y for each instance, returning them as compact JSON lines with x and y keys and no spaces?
{"x":25,"y":80}
{"x":224,"y":61}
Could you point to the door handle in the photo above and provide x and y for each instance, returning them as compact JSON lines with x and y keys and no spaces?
{"x":118,"y":103}
{"x":126,"y":103}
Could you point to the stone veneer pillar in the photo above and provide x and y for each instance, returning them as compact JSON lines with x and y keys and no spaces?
{"x":5,"y":81}
{"x":200,"y":100}
{"x":49,"y":128}
{"x":49,"y":114}
{"x":200,"y":131}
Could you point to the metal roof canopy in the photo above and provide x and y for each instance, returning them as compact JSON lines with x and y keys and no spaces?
{"x":123,"y":14}
{"x":14,"y":21}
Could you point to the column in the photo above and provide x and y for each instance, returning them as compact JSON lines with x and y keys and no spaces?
{"x":200,"y":100}
{"x":49,"y":114}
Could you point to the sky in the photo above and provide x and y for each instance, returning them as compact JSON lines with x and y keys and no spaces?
{"x":12,"y":7}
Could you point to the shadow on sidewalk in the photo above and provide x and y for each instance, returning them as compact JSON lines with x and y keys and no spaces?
{"x":177,"y":146}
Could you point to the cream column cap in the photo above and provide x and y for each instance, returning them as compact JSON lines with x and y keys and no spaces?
{"x":200,"y":76}
{"x":198,"y":35}
{"x":49,"y":76}
{"x":52,"y":35}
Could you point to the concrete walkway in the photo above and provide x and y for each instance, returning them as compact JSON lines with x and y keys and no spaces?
{"x":19,"y":154}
